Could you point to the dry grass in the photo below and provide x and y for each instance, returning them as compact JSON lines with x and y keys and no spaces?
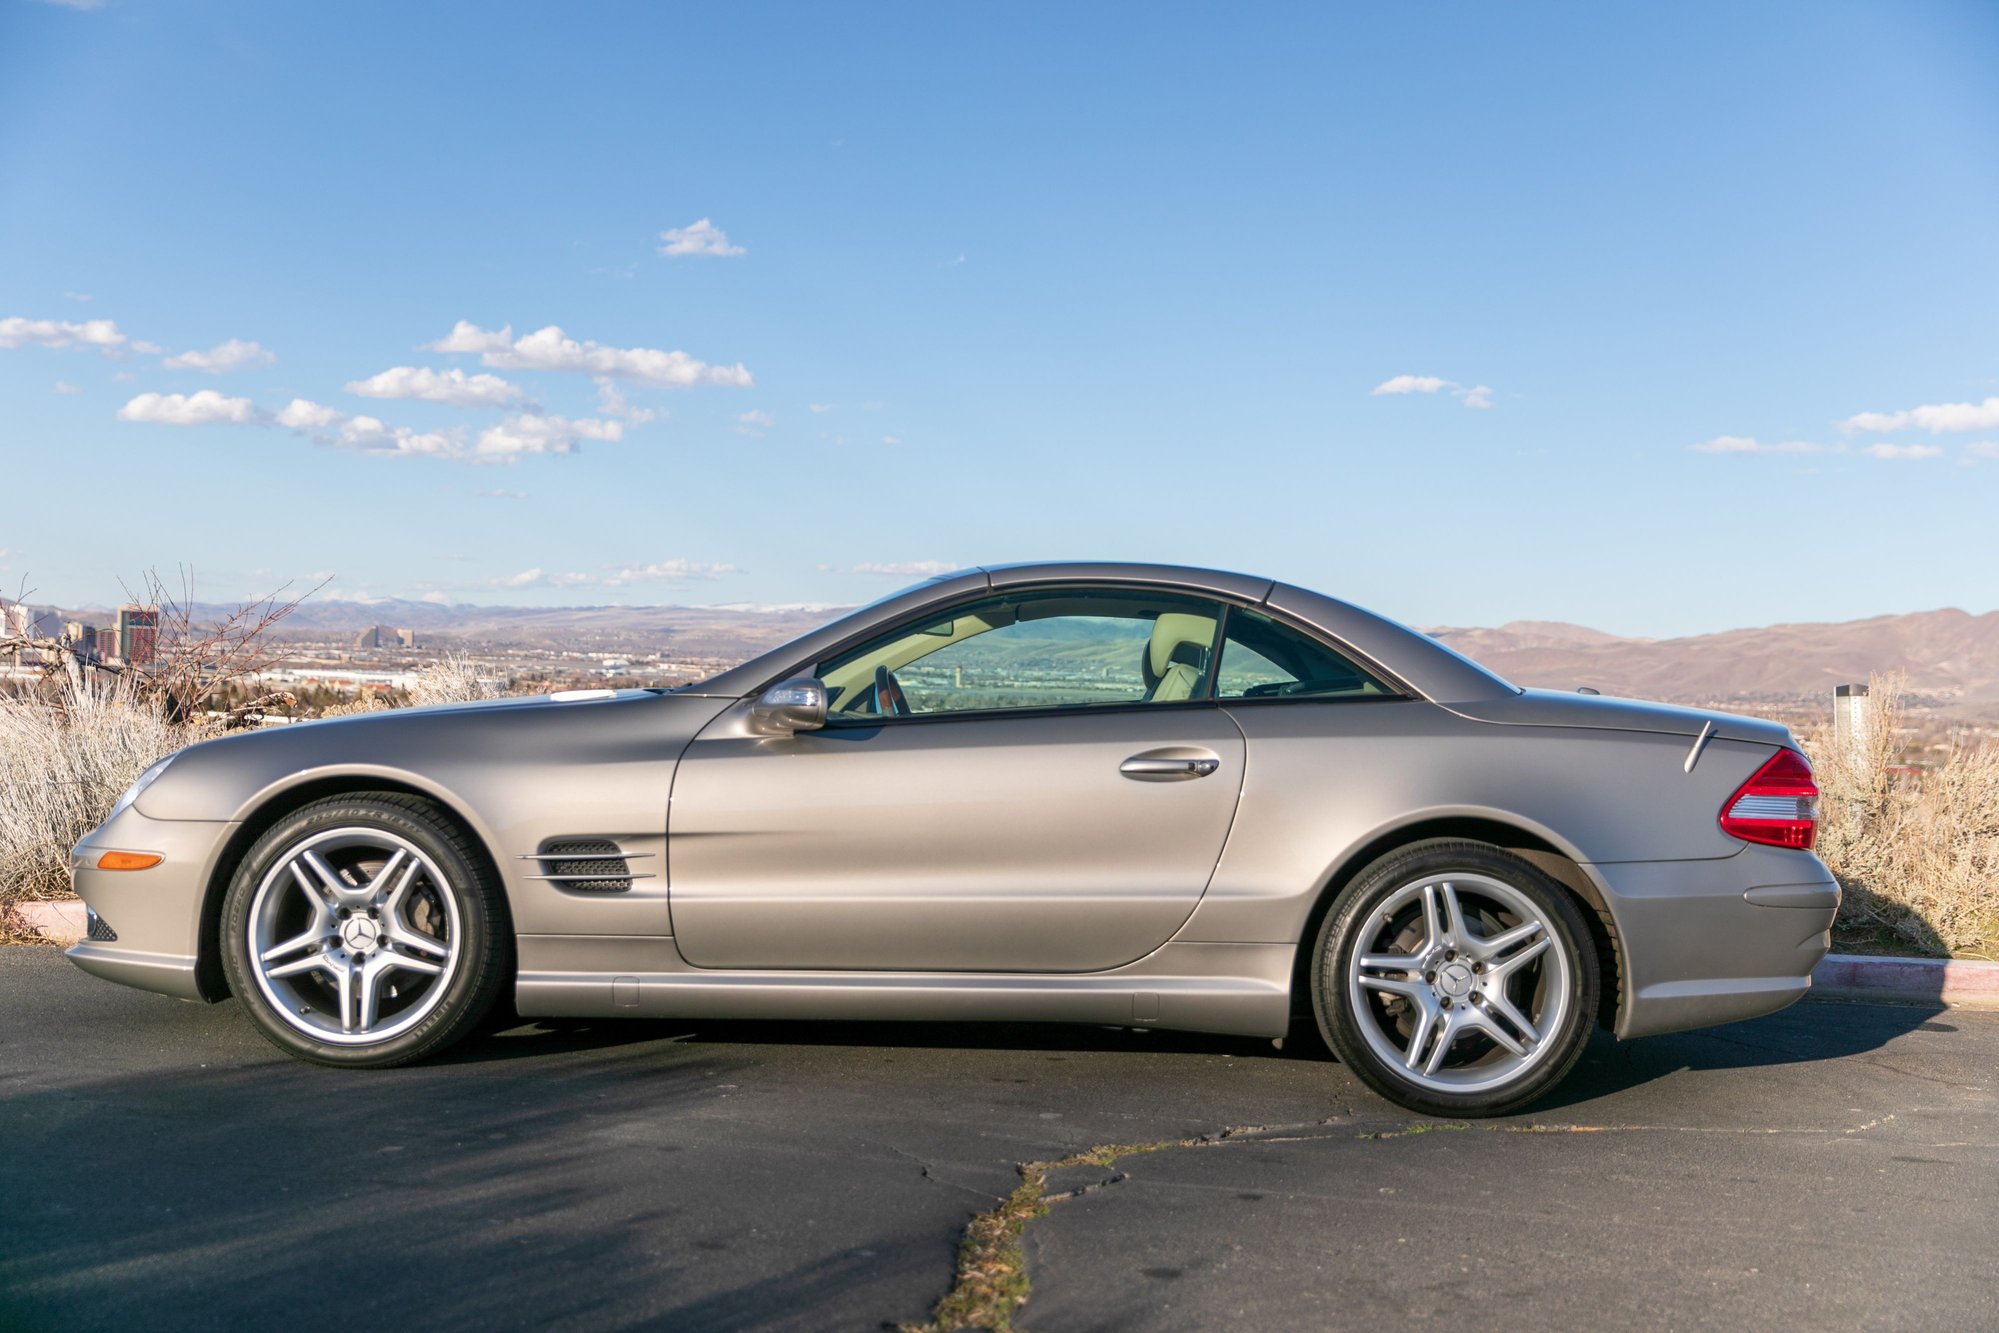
{"x":63,"y":761}
{"x":449,"y":680}
{"x":69,"y":749}
{"x":1916,"y":851}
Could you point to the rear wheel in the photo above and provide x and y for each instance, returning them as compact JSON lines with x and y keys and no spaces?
{"x":365,"y":930}
{"x":1456,"y":979}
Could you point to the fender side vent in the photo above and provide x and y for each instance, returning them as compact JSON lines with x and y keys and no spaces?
{"x":99,"y":929}
{"x":586,"y":865}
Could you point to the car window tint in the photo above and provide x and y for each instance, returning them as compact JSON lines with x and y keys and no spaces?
{"x":1063,"y":649}
{"x":1264,"y":659}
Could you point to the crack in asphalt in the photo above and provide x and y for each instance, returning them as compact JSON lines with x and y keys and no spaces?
{"x":991,"y":1281}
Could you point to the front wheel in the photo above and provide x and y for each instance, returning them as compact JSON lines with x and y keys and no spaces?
{"x":365,"y":930}
{"x":1454,"y":978}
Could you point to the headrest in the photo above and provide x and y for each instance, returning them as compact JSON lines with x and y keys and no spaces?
{"x":1172,"y":632}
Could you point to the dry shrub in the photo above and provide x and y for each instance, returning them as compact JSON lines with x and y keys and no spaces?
{"x":1917,"y":852}
{"x":449,"y":680}
{"x":62,"y":763}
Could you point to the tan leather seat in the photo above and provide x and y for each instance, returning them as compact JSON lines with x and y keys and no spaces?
{"x":1177,"y":656}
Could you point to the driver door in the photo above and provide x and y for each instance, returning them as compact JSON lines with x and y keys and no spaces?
{"x":1042,"y":786}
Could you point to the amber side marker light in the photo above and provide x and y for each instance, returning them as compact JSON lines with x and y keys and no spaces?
{"x":129,"y":860}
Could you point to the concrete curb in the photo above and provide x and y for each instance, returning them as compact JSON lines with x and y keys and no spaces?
{"x":62,"y":922}
{"x":1957,"y":982}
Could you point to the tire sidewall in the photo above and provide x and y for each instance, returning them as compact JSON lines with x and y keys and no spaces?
{"x":1339,"y":937}
{"x":470,"y":990}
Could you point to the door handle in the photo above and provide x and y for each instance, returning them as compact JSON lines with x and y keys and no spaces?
{"x":1152,"y":768}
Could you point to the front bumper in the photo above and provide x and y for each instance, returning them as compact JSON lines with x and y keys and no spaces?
{"x":155,"y":913}
{"x":1716,"y":941}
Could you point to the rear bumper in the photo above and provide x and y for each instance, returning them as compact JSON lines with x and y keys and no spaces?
{"x":156,"y":913}
{"x":1716,"y":941}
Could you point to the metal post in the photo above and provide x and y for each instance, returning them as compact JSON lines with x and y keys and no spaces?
{"x":1852,"y":720}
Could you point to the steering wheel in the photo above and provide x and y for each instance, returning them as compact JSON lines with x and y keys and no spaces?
{"x":889,"y":698}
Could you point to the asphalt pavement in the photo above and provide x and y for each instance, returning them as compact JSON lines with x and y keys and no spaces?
{"x":160,"y":1165}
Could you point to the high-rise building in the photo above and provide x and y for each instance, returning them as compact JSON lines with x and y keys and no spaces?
{"x":18,"y":618}
{"x":82,"y":638}
{"x":385,"y":636}
{"x":138,"y":633}
{"x":106,"y":642}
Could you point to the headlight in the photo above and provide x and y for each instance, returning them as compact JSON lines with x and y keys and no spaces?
{"x":146,"y":779}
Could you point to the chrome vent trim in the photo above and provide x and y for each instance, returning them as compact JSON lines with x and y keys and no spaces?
{"x":586,"y":865}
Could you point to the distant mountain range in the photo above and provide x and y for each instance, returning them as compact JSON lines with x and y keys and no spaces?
{"x":1950,"y":656}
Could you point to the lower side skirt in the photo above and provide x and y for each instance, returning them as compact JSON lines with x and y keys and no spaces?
{"x":1239,"y":989}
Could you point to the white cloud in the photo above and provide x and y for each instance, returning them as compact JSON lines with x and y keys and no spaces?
{"x":526,"y":433}
{"x":617,"y":576}
{"x":753,"y":423}
{"x":817,"y":408}
{"x":501,"y":494}
{"x":532,"y":433}
{"x":83,"y":5}
{"x":552,"y":349}
{"x":102,"y":334}
{"x":200,"y":409}
{"x":423,"y":384}
{"x":668,"y":571}
{"x":700,"y":238}
{"x":1411,"y":384}
{"x":1933,"y":417}
{"x":1983,"y":449}
{"x":611,"y":402}
{"x":906,"y":568}
{"x":302,"y":414}
{"x":367,"y":435}
{"x":64,"y":386}
{"x":466,"y":337}
{"x":219,"y":360}
{"x":1479,"y":395}
{"x":435,"y":598}
{"x":1743,"y":444}
{"x":76,"y":296}
{"x":1902,"y":451}
{"x":891,"y":439}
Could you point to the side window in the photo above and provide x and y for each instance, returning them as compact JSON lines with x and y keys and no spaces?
{"x":1263,"y":659}
{"x":1062,"y":649}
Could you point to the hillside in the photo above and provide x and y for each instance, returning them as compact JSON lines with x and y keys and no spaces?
{"x":1950,"y":655}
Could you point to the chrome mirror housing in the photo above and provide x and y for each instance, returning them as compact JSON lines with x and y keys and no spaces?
{"x":788,"y":706}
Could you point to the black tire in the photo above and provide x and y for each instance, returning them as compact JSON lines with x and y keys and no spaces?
{"x":471,"y":982}
{"x":1343,"y":933}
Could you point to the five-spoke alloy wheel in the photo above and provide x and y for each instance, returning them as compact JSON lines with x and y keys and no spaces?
{"x":362,"y":930}
{"x":1455,"y":978}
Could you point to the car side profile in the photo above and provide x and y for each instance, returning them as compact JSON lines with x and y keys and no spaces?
{"x":1120,"y":794}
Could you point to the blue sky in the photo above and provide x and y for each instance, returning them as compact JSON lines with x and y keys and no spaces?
{"x":1696,"y":307}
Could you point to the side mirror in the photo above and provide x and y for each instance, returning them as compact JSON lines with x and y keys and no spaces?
{"x":788,"y":706}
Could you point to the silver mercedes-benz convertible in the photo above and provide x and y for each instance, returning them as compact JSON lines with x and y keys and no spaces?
{"x":1115,"y":794}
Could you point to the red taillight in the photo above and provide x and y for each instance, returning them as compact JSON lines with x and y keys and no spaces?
{"x":1779,"y":805}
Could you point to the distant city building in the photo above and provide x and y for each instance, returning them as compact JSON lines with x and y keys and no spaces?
{"x":106,"y":642}
{"x":24,"y":620}
{"x":385,"y":636}
{"x":406,"y":637}
{"x":82,"y":638}
{"x":138,"y":633}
